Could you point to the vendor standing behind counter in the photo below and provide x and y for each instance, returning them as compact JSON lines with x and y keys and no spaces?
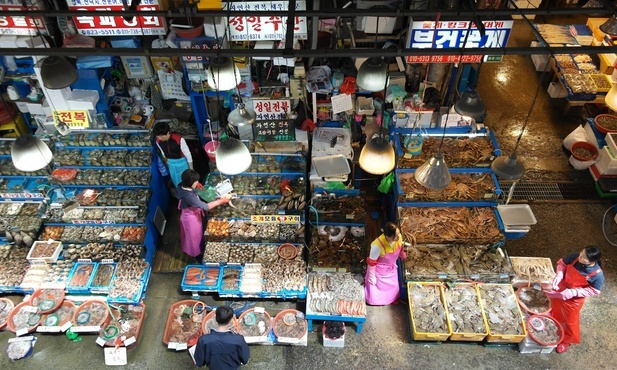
{"x":174,"y":151}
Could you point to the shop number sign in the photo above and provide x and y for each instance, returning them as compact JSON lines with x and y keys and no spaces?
{"x":289,"y":219}
{"x":452,"y":35}
{"x":272,"y":121}
{"x":265,"y":28}
{"x":91,"y":25}
{"x":21,"y":25}
{"x":77,"y":119}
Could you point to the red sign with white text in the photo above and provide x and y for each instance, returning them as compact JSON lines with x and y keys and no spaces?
{"x":21,"y":25}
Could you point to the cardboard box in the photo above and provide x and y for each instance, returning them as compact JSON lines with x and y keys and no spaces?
{"x":607,"y":63}
{"x":556,"y":90}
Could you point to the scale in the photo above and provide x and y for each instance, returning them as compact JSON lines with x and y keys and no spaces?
{"x":223,"y":188}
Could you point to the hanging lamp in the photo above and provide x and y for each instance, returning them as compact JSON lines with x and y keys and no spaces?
{"x":57,"y":73}
{"x":377,"y":156}
{"x":29,"y":153}
{"x":470,"y":104}
{"x":372,"y":75}
{"x":232,"y":157}
{"x":241,"y":116}
{"x":610,"y":26}
{"x":222,"y":74}
{"x":433,"y":174}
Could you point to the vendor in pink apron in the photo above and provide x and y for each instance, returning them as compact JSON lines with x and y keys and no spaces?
{"x":579,"y":275}
{"x":173,"y":150}
{"x":381,"y":285}
{"x":193,"y":209}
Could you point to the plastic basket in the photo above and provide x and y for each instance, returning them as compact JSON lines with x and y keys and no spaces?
{"x":6,"y":306}
{"x":509,"y":337}
{"x":32,"y":317}
{"x":426,"y":336}
{"x":47,"y":300}
{"x":182,"y":334}
{"x":282,"y":319}
{"x":534,"y":330}
{"x":468,"y":336}
{"x":93,"y":312}
{"x":244,"y":321}
{"x":529,"y":310}
{"x":200,"y":278}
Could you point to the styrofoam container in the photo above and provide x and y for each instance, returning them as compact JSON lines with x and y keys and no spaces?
{"x":53,"y":257}
{"x":556,"y":90}
{"x":83,"y":99}
{"x":327,"y":342}
{"x":606,"y":161}
{"x":530,"y":346}
{"x":611,"y":141}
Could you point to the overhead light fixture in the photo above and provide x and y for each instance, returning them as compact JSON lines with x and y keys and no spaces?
{"x":433,"y":174}
{"x":377,"y":156}
{"x":57,"y":73}
{"x":241,"y":116}
{"x":232,"y":157}
{"x":470,"y":104}
{"x":372,"y":74}
{"x":611,"y":98}
{"x":610,"y":26}
{"x":30,"y":153}
{"x":222,"y":73}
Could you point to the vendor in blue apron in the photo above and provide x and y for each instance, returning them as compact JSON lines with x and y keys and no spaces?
{"x":173,"y":150}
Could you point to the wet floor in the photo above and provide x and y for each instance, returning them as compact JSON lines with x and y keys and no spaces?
{"x":563,"y":227}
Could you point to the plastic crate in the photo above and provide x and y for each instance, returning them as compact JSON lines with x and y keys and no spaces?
{"x":224,"y":291}
{"x":602,"y":77}
{"x":99,"y":268}
{"x":422,"y":336}
{"x":505,"y":338}
{"x":78,"y":269}
{"x":470,"y":337}
{"x":49,"y":258}
{"x":196,"y":276}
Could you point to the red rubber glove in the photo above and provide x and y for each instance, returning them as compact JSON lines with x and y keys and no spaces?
{"x":200,"y":186}
{"x":556,"y":280}
{"x":403,"y":255}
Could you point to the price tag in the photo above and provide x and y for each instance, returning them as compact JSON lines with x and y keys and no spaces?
{"x":86,"y":329}
{"x":115,"y":357}
{"x":172,"y":345}
{"x":474,"y":276}
{"x":29,"y":337}
{"x":259,"y":310}
{"x":288,"y":340}
{"x":66,"y":326}
{"x":100,"y":341}
{"x":84,"y":260}
{"x":442,"y":276}
{"x":129,"y":341}
{"x":181,"y":347}
{"x":48,"y":329}
{"x":30,"y":309}
{"x":349,"y":216}
{"x":21,"y":332}
{"x":537,"y":286}
{"x":107,"y":260}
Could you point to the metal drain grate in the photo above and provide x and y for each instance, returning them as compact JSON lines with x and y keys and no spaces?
{"x":551,"y":191}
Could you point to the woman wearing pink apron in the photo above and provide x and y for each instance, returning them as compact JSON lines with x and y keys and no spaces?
{"x":579,"y":275}
{"x":193,"y":210}
{"x":381,"y":285}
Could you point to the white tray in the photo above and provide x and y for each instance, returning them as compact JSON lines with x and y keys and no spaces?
{"x":516,"y":215}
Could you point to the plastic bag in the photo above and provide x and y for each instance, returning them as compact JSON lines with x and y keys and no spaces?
{"x":578,"y":134}
{"x":580,"y":165}
{"x":386,"y":183}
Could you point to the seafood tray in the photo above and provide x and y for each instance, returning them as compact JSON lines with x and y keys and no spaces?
{"x":99,"y":251}
{"x":425,"y":225}
{"x":529,"y":270}
{"x":286,"y":279}
{"x":91,"y":313}
{"x":105,"y":139}
{"x":200,"y":278}
{"x":503,"y":314}
{"x":486,"y":263}
{"x":47,"y":300}
{"x":428,"y":311}
{"x":277,"y":163}
{"x":52,"y":322}
{"x":45,"y":251}
{"x":23,"y":317}
{"x":245,"y":206}
{"x":69,"y":157}
{"x":252,"y":323}
{"x":467,"y":186}
{"x":107,"y":158}
{"x":433,"y":262}
{"x":252,"y":184}
{"x":246,"y":230}
{"x":229,"y":280}
{"x":13,"y":269}
{"x":7,"y":169}
{"x":338,"y":246}
{"x":251,"y":283}
{"x":35,"y":276}
{"x":59,"y":272}
{"x":102,"y":277}
{"x":80,"y":277}
{"x":130,"y":281}
{"x":465,"y":313}
{"x":126,"y":322}
{"x":335,"y":294}
{"x":6,"y":306}
{"x":458,"y":151}
{"x":290,"y":324}
{"x":341,"y":208}
{"x":184,"y":321}
{"x":209,"y":322}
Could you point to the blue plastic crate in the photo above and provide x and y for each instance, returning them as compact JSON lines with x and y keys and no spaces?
{"x":202,"y":277}
{"x":78,"y":269}
{"x":100,"y":267}
{"x":223,"y":291}
{"x":130,"y":300}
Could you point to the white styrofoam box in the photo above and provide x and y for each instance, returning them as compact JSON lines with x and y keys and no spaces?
{"x":35,"y":108}
{"x":530,"y":346}
{"x":83,"y":99}
{"x":606,"y":162}
{"x":22,"y":106}
{"x":327,"y":342}
{"x":611,"y":141}
{"x":540,"y":61}
{"x":404,"y":119}
{"x":28,"y":42}
{"x":289,"y":62}
{"x":365,"y":106}
{"x":263,"y":45}
{"x":591,"y":136}
{"x":209,"y":26}
{"x":386,"y":24}
{"x":556,"y":90}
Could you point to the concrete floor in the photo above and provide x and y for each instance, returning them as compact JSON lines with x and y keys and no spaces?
{"x":563,"y":227}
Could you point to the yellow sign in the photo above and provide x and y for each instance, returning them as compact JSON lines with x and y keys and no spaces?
{"x":77,"y":119}
{"x":286,"y":219}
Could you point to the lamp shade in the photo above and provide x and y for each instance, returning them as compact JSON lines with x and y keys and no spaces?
{"x":377,"y":156}
{"x":433,"y":174}
{"x":372,"y":75}
{"x":30,"y":153}
{"x":232,"y":157}
{"x":223,"y":74}
{"x":508,"y":168}
{"x":241,"y":116}
{"x":610,"y":26}
{"x":611,"y":98}
{"x":470,"y":104}
{"x":57,"y":73}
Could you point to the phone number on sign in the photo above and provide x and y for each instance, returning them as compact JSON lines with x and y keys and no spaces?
{"x":123,"y":31}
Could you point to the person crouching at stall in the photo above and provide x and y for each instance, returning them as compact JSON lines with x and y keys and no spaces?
{"x":579,"y":275}
{"x":193,"y":209}
{"x":381,"y":285}
{"x":173,"y":150}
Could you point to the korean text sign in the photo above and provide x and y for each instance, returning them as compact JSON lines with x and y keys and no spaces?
{"x":20,"y":25}
{"x":92,"y":25}
{"x":272,"y":123}
{"x":452,"y":35}
{"x":77,"y":119}
{"x":265,"y":28}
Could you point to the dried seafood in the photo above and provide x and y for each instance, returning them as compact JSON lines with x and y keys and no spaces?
{"x":251,"y":279}
{"x":254,"y":324}
{"x":433,"y":261}
{"x":216,"y":252}
{"x":338,"y":246}
{"x":290,"y":324}
{"x":533,"y":300}
{"x":464,"y":187}
{"x":501,"y":309}
{"x":284,"y":276}
{"x":458,"y":152}
{"x":450,"y":224}
{"x":464,"y":310}
{"x":428,"y":312}
{"x":482,"y":262}
{"x":533,"y":269}
{"x":341,"y":209}
{"x":336,"y":293}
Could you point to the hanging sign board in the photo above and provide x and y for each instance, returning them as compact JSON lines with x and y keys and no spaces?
{"x":21,"y":25}
{"x":285,"y":219}
{"x":91,"y":25}
{"x":265,"y":28}
{"x":273,"y":123}
{"x":452,"y":35}
{"x":75,"y":119}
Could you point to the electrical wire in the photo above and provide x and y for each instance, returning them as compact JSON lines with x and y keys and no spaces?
{"x":604,"y":225}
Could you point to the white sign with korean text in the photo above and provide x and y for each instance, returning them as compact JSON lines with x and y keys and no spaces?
{"x":256,"y":28}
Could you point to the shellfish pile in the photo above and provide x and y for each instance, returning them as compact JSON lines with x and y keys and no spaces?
{"x":290,"y":325}
{"x":136,"y":139}
{"x":99,"y":251}
{"x":428,"y":311}
{"x":216,"y":252}
{"x":13,"y":266}
{"x":501,"y":308}
{"x":284,"y":275}
{"x":338,"y":246}
{"x":433,"y":261}
{"x":450,"y":225}
{"x":185,"y":322}
{"x":341,"y":209}
{"x":241,"y":253}
{"x":59,"y":272}
{"x":257,"y":185}
{"x":128,"y":283}
{"x":463,"y":187}
{"x":230,"y":280}
{"x":254,"y":324}
{"x":336,"y":293}
{"x":485,"y":262}
{"x":8,"y":169}
{"x":459,"y":152}
{"x":292,"y":201}
{"x":464,"y":310}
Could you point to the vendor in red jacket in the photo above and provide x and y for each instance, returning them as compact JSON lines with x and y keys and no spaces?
{"x":173,"y":150}
{"x":579,"y":275}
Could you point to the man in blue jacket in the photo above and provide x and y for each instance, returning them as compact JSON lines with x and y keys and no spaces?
{"x":222,"y":349}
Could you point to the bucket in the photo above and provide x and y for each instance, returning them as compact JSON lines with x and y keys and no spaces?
{"x":413,"y":144}
{"x":210,"y":149}
{"x":188,"y":28}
